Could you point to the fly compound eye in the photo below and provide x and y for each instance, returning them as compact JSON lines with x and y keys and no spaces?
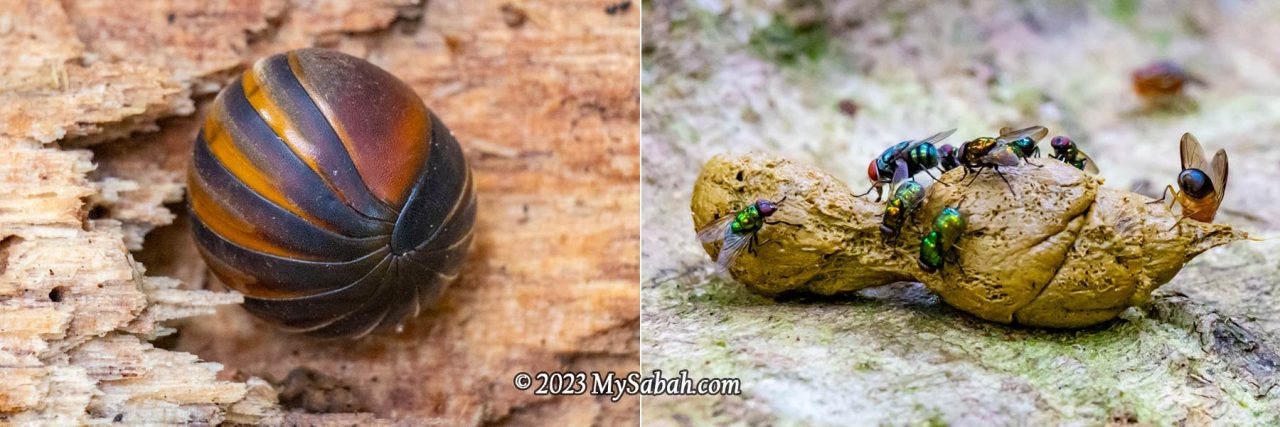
{"x":1060,"y":142}
{"x":766,"y":207}
{"x":1195,"y":183}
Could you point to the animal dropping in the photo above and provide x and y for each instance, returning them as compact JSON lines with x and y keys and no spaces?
{"x":1069,"y":255}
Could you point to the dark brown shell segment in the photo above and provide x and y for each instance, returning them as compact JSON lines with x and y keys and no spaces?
{"x":392,"y":171}
{"x":232,"y":122}
{"x":325,"y":191}
{"x":274,"y":91}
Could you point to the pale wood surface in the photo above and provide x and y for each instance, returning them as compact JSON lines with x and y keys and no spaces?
{"x":548,"y":114}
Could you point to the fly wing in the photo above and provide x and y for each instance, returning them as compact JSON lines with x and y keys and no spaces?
{"x":1090,"y":166}
{"x":1002,"y":155}
{"x":932,"y":139}
{"x":900,"y":174}
{"x":734,"y":244}
{"x":716,"y":230}
{"x":906,"y":151}
{"x":1193,"y":154}
{"x":1035,"y":132}
{"x":915,"y":201}
{"x":1219,"y":175}
{"x":937,"y":137}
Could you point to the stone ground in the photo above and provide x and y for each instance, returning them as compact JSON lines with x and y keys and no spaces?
{"x":735,"y":75}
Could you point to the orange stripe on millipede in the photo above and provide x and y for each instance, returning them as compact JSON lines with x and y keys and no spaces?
{"x":227,"y":153}
{"x":228,"y":224}
{"x":279,"y":123}
{"x":228,"y":274}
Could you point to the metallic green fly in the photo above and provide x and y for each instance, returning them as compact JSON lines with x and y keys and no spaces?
{"x":939,"y":244}
{"x":907,"y":196}
{"x":739,"y":231}
{"x":1067,"y":151}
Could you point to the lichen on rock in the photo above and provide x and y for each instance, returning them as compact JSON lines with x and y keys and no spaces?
{"x":1058,"y":251}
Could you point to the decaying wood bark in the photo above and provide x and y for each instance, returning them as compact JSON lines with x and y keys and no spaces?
{"x":98,"y":107}
{"x":75,"y":309}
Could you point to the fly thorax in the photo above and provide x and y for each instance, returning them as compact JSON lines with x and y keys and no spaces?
{"x":892,"y":208}
{"x":747,"y":220}
{"x":884,"y":169}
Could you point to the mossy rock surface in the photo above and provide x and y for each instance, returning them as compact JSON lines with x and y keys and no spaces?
{"x":1199,"y":352}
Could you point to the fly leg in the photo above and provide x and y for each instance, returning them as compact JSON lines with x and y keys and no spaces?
{"x":959,"y":267}
{"x":1177,"y":223}
{"x":763,"y":241}
{"x":874,"y":187}
{"x":953,"y":258}
{"x":1168,"y":189}
{"x":1185,"y":215}
{"x":976,"y":173}
{"x":1034,"y":153}
{"x":778,"y":221}
{"x":935,"y":179}
{"x":1006,"y":181}
{"x":911,"y":216}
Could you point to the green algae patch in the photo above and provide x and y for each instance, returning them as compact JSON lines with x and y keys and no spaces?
{"x":789,"y":44}
{"x":794,"y":351}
